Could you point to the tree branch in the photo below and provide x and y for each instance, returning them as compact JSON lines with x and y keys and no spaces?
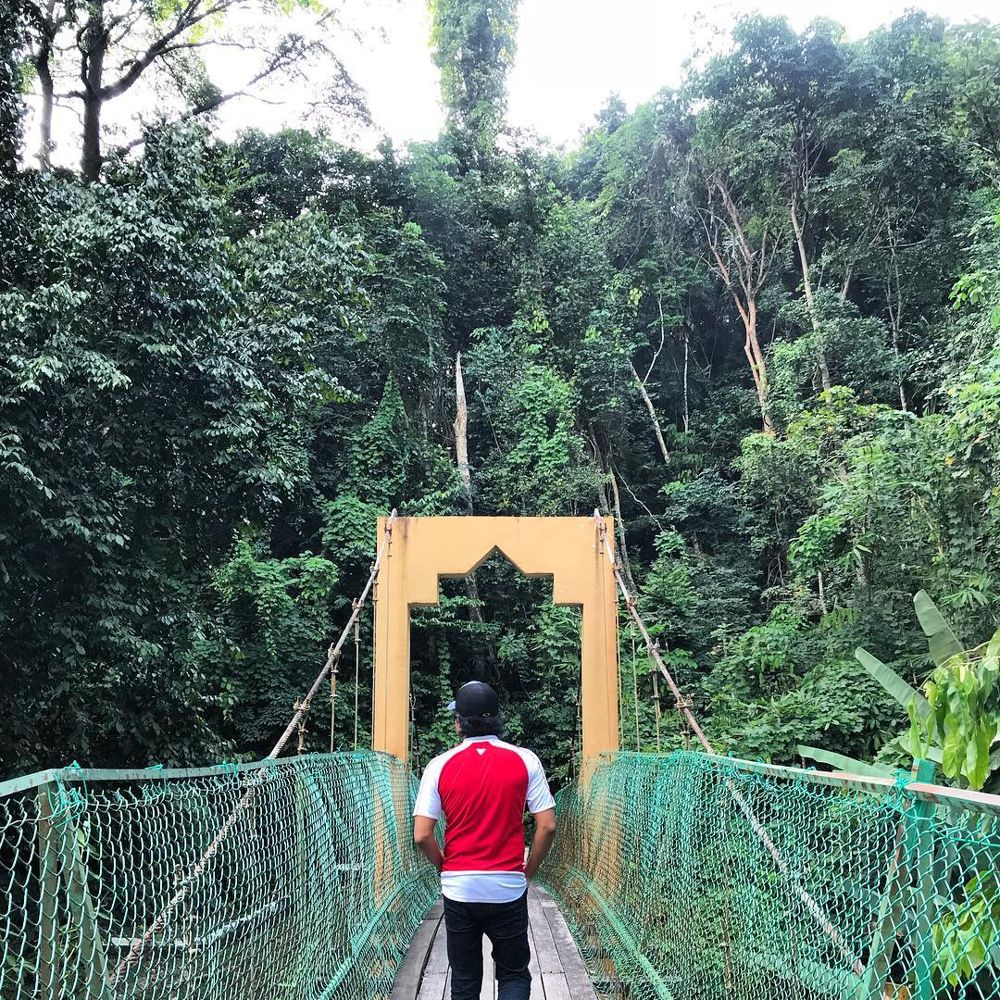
{"x":185,"y":20}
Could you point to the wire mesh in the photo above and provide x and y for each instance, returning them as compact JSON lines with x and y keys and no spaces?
{"x":692,"y":876}
{"x":118,"y":884}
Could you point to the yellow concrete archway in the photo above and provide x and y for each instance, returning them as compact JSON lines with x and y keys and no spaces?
{"x":424,"y":549}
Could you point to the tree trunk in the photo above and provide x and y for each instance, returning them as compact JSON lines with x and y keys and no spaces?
{"x":45,"y":123}
{"x":44,"y":71}
{"x":687,"y":357}
{"x":824,"y":369}
{"x":846,"y":286}
{"x":90,"y":160}
{"x":461,"y":428}
{"x":96,"y":42}
{"x":758,"y":365}
{"x":899,"y":366}
{"x":744,"y":276}
{"x":652,"y":414}
{"x":896,"y":321}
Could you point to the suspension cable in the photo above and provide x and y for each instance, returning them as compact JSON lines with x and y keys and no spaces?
{"x":141,"y":943}
{"x":333,"y":708}
{"x":357,"y":674}
{"x":652,"y":647}
{"x":333,"y":654}
{"x":684,"y":706}
{"x":635,"y":688}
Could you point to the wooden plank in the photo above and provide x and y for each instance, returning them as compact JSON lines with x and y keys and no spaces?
{"x":558,"y":972}
{"x":541,"y":934}
{"x":573,"y":966}
{"x":433,"y":987}
{"x":407,"y":984}
{"x":533,"y":966}
{"x":437,"y":960}
{"x":555,"y":987}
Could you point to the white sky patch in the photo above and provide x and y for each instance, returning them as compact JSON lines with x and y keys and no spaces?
{"x":572,"y":54}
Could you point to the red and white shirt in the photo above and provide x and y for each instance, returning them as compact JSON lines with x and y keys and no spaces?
{"x":482,"y":786}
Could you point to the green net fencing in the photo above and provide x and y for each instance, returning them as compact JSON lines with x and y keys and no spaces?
{"x":692,"y":876}
{"x":286,"y":879}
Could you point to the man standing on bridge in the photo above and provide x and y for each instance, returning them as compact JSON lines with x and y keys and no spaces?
{"x":482,"y":787}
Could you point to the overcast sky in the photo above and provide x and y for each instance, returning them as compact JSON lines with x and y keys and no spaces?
{"x":571,"y":55}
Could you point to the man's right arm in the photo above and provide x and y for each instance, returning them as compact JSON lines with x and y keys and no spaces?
{"x":541,"y":844}
{"x":425,"y":839}
{"x":542,"y":807}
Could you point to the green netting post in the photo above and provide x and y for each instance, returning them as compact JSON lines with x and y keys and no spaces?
{"x":904,"y":865}
{"x":63,"y":867}
{"x":921,"y":848}
{"x":303,"y":907}
{"x":48,"y":887}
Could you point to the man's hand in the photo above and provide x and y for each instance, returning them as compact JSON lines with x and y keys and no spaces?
{"x":423,"y":837}
{"x":545,"y":833}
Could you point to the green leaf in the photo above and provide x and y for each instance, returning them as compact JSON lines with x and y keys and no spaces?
{"x":928,"y":753}
{"x":850,"y":765}
{"x":942,"y":641}
{"x":991,"y":658}
{"x":903,"y":692}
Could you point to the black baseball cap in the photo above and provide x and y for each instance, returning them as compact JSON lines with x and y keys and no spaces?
{"x":475,"y":699}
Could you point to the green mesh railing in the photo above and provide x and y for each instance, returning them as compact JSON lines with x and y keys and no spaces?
{"x":691,"y":876}
{"x":286,"y":879}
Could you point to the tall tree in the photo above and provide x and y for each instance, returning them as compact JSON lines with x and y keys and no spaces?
{"x":12,"y":39}
{"x":87,"y":55}
{"x":473,"y":43}
{"x":741,"y":247}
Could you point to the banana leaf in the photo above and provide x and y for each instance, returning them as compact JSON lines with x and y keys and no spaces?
{"x":942,"y":641}
{"x":844,"y":763}
{"x":902,"y":691}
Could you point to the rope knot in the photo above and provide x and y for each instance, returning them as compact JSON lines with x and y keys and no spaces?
{"x":231,"y":769}
{"x":157,"y":789}
{"x":69,"y":803}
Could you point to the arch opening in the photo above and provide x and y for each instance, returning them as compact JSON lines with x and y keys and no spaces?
{"x":507,"y":631}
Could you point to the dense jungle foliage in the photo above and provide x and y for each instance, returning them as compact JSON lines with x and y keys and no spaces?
{"x":756,"y":319}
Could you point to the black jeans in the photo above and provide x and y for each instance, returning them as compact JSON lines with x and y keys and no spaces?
{"x":506,"y":925}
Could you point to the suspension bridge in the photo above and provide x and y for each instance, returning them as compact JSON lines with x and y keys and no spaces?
{"x":685,"y":875}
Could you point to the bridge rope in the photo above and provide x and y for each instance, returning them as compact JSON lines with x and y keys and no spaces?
{"x":297,"y":721}
{"x":684,"y":707}
{"x":333,"y":654}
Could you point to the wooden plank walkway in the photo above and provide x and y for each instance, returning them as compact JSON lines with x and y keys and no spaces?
{"x":557,"y":970}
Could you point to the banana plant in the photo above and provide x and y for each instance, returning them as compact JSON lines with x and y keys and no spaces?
{"x":964,"y":718}
{"x":956,"y":720}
